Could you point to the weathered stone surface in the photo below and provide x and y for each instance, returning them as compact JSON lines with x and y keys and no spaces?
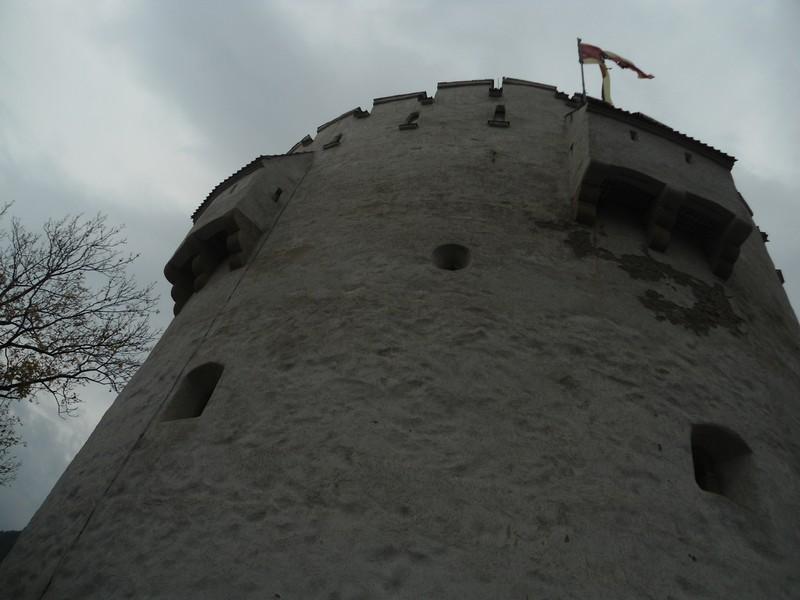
{"x":383,"y":428}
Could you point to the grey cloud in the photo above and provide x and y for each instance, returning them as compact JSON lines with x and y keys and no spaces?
{"x":237,"y":74}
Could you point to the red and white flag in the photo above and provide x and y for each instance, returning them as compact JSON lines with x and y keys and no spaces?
{"x":593,"y":55}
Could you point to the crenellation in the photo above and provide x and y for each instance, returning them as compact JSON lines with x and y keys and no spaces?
{"x":464,"y":94}
{"x":587,"y":154}
{"x":471,"y":82}
{"x":357,"y":112}
{"x":306,"y":141}
{"x":398,"y":97}
{"x":534,"y":84}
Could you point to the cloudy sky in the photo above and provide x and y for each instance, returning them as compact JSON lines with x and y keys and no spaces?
{"x":137,"y":109}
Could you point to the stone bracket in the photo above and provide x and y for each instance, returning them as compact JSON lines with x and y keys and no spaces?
{"x":662,"y":217}
{"x":725,"y":250}
{"x":232,"y":220}
{"x":726,"y":231}
{"x":588,"y":195}
{"x":231,"y":238}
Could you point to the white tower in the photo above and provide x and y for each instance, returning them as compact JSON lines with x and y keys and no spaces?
{"x":492,"y":344}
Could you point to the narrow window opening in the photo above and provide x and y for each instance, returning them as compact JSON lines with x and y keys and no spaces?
{"x":451,"y":257}
{"x":722,"y":463}
{"x":233,"y":188}
{"x":634,"y":135}
{"x":334,"y":142}
{"x":688,"y":157}
{"x":193,"y":393}
{"x":277,"y":194}
{"x":499,"y":119}
{"x":411,"y":122}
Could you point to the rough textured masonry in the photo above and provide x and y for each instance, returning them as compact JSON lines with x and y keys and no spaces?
{"x":491,"y":344}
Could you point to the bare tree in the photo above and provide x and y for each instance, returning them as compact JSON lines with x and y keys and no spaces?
{"x":9,"y":438}
{"x":69,"y":315}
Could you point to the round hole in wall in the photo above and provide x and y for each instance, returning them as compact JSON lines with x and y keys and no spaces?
{"x":451,"y":257}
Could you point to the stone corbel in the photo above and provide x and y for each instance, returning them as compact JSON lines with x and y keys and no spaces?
{"x":231,"y":237}
{"x":588,"y":195}
{"x":725,"y":250}
{"x":662,"y":217}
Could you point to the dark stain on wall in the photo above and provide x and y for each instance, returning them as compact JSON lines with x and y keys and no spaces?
{"x":711,"y":307}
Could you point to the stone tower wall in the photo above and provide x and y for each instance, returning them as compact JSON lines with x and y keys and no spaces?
{"x":531,"y":425}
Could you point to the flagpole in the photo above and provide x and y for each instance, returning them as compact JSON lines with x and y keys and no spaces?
{"x":583,"y":81}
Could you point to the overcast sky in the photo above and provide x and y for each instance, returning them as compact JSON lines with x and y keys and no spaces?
{"x":137,"y":109}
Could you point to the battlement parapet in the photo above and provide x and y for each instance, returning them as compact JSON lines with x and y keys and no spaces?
{"x":606,"y":155}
